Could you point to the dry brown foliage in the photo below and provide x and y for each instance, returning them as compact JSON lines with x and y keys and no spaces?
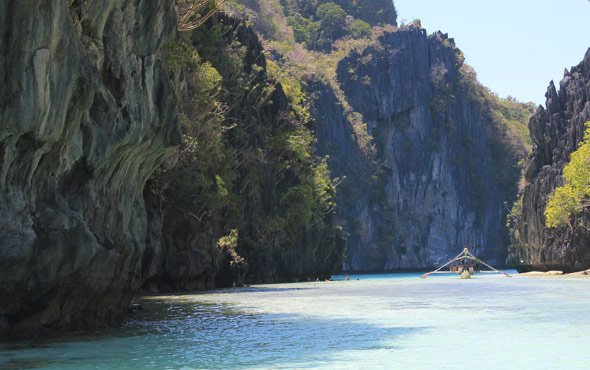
{"x":193,"y":13}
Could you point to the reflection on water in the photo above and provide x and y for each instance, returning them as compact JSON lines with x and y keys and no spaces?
{"x":378,"y":321}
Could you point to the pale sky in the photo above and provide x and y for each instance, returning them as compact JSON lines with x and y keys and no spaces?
{"x":515,"y":46}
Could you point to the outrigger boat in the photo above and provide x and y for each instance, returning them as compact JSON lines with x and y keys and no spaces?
{"x":467,"y":265}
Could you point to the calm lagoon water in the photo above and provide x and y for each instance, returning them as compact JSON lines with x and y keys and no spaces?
{"x":394,"y":321}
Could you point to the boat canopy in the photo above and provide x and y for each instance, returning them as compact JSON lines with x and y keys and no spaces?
{"x":467,"y":264}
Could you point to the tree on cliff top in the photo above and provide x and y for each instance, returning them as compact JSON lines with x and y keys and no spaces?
{"x":574,"y":196}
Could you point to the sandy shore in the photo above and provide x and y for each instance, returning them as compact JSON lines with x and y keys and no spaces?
{"x":555,"y":273}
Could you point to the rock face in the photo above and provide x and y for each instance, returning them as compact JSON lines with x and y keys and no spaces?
{"x":87,"y":113}
{"x":431,"y":188}
{"x":556,"y":132}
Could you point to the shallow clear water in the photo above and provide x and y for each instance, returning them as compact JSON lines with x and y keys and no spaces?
{"x":394,"y":321}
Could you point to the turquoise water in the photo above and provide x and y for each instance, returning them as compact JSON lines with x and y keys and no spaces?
{"x":394,"y":321}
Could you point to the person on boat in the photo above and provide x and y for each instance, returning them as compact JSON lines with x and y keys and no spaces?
{"x":347,"y":277}
{"x":476,"y":265}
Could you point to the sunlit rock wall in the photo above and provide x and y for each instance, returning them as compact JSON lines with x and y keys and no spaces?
{"x":431,"y":189}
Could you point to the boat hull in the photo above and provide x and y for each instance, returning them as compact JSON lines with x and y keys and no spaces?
{"x":465,"y":274}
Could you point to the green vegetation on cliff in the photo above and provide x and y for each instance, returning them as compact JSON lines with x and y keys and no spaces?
{"x":318,"y":25}
{"x":247,"y":167}
{"x":307,"y":39}
{"x":506,"y":129}
{"x":305,"y":45}
{"x":509,"y":140}
{"x":310,"y":41}
{"x":574,"y":196}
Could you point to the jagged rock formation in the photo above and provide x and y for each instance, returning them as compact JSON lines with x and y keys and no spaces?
{"x":556,"y":131}
{"x":432,"y":186}
{"x":87,"y":112}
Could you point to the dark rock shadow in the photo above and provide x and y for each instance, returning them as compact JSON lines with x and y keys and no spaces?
{"x":207,"y":336}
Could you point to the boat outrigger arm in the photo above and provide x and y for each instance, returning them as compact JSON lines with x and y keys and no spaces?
{"x":464,"y":256}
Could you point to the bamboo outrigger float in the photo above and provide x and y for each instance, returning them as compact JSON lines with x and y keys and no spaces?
{"x":465,"y":268}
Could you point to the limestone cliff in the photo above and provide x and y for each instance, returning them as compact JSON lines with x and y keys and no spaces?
{"x":87,"y":113}
{"x":427,"y":161}
{"x":433,"y":185}
{"x":556,"y":131}
{"x":90,"y":110}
